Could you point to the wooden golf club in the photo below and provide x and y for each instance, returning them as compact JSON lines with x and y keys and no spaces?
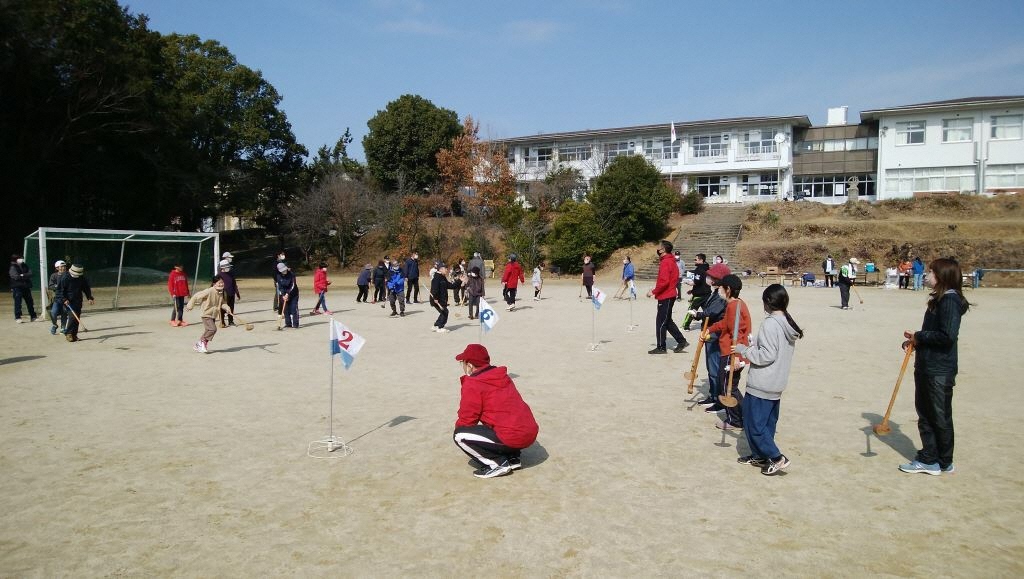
{"x":854,"y":288}
{"x":248,"y":326}
{"x":883,"y":428}
{"x":727,"y":399}
{"x":692,"y":374}
{"x":81,"y":326}
{"x":280,"y":314}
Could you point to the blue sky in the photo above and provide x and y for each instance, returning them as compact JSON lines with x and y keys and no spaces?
{"x":527,"y":67}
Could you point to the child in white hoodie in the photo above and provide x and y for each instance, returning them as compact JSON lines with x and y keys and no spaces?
{"x":770,"y":356}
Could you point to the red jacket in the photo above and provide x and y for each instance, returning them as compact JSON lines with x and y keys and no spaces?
{"x":177,"y":284}
{"x":320,"y":280}
{"x":490,"y":397}
{"x":668,"y":277}
{"x":724,"y":326}
{"x":513,"y":275}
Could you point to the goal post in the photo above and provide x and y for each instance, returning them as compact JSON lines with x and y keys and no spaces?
{"x":129,"y":268}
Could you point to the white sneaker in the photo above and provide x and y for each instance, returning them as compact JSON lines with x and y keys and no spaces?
{"x":19,"y":321}
{"x":197,"y":347}
{"x":202,"y":348}
{"x":442,"y":330}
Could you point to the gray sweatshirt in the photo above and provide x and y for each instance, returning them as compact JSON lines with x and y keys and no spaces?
{"x":770,"y":356}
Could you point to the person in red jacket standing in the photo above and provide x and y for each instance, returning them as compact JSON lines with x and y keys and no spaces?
{"x":177,"y":286}
{"x":494,"y":422}
{"x":511,"y":279}
{"x":665,"y":292}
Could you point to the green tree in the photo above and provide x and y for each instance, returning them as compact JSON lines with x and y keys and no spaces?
{"x":333,"y":160}
{"x":576,"y":232}
{"x":243,"y":153}
{"x":404,"y":139}
{"x":631,"y":201}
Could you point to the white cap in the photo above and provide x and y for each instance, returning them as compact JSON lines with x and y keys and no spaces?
{"x":59,"y":263}
{"x":226,"y":255}
{"x":225,"y":263}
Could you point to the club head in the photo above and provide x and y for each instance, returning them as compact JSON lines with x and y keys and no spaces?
{"x":882,"y":429}
{"x":249,"y":327}
{"x":728,"y":401}
{"x":689,"y":375}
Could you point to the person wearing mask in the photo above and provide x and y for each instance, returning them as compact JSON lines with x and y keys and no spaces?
{"x":665,"y":292}
{"x":700,"y":290}
{"x":412,"y":276}
{"x":21,"y":288}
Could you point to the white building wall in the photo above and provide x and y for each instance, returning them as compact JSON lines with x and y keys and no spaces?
{"x":979,"y":153}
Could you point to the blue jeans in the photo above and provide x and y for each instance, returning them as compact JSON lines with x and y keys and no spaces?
{"x":918,"y":281}
{"x":759,"y":419}
{"x":322,"y":301}
{"x":57,"y":312}
{"x":713,"y":361}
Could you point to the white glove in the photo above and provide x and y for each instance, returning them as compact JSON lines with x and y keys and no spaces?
{"x":691,"y":312}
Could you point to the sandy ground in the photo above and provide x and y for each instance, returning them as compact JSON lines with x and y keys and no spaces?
{"x":128,"y":454}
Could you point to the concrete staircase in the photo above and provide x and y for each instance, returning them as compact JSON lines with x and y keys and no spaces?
{"x":714,"y":231}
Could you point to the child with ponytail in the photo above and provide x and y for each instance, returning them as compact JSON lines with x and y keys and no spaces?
{"x":770,"y":357}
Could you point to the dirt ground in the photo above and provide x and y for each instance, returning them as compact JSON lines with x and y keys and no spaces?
{"x":128,"y":454}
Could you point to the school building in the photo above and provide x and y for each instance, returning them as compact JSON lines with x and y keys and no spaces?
{"x":963,"y":145}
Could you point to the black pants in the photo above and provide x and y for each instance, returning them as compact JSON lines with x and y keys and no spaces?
{"x":663,"y":323}
{"x":22,"y":293}
{"x":364,"y":292}
{"x":588,"y":282}
{"x":457,"y":292}
{"x":380,"y":292}
{"x":442,"y":311}
{"x":412,"y":289}
{"x":177,"y":311}
{"x":482,"y":443}
{"x":72,"y":327}
{"x":230,"y":301}
{"x":510,"y":295}
{"x":474,"y":307}
{"x":733,"y":415}
{"x":933,"y":398}
{"x":844,"y":294}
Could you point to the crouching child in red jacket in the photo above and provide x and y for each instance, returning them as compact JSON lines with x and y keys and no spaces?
{"x":494,"y":422}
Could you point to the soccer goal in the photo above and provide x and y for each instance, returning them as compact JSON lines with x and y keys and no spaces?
{"x":125,"y":268}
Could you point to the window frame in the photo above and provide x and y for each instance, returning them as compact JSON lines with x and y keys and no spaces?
{"x":947,"y":129}
{"x":1019,"y":125}
{"x":905,"y":130}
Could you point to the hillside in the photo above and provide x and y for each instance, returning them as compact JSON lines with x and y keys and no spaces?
{"x":978,"y":231}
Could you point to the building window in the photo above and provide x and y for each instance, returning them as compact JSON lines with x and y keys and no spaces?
{"x":1004,"y":176}
{"x":1007,"y":126}
{"x":658,"y":149}
{"x":761,"y":184}
{"x":925,"y":179}
{"x":957,"y":130}
{"x":858,"y":144}
{"x":574,"y":153}
{"x":539,"y":156}
{"x":910,"y":133}
{"x":708,"y":146}
{"x":832,"y":185}
{"x":711,"y":186}
{"x":757,"y":142}
{"x":612,"y":150}
{"x":510,"y":155}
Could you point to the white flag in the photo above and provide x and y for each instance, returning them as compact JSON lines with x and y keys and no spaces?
{"x":488,"y":317}
{"x":345,"y":342}
{"x":673,"y":129}
{"x":598,"y":298}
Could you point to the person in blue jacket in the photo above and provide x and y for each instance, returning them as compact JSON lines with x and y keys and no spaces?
{"x":396,"y":288}
{"x":917,"y":268}
{"x":628,"y":273}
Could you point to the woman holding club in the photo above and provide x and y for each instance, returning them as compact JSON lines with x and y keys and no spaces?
{"x":770,"y":356}
{"x":935,"y":368}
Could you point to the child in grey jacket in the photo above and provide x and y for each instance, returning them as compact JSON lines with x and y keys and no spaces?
{"x":770,"y":356}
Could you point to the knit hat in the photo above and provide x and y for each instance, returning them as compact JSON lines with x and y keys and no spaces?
{"x":718,"y":271}
{"x":474,"y":271}
{"x":59,"y":263}
{"x":476,"y":355}
{"x":732,"y":282}
{"x":76,"y":270}
{"x":282,"y":267}
{"x":225,"y":264}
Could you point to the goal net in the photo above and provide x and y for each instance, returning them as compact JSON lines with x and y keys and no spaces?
{"x":125,"y":268}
